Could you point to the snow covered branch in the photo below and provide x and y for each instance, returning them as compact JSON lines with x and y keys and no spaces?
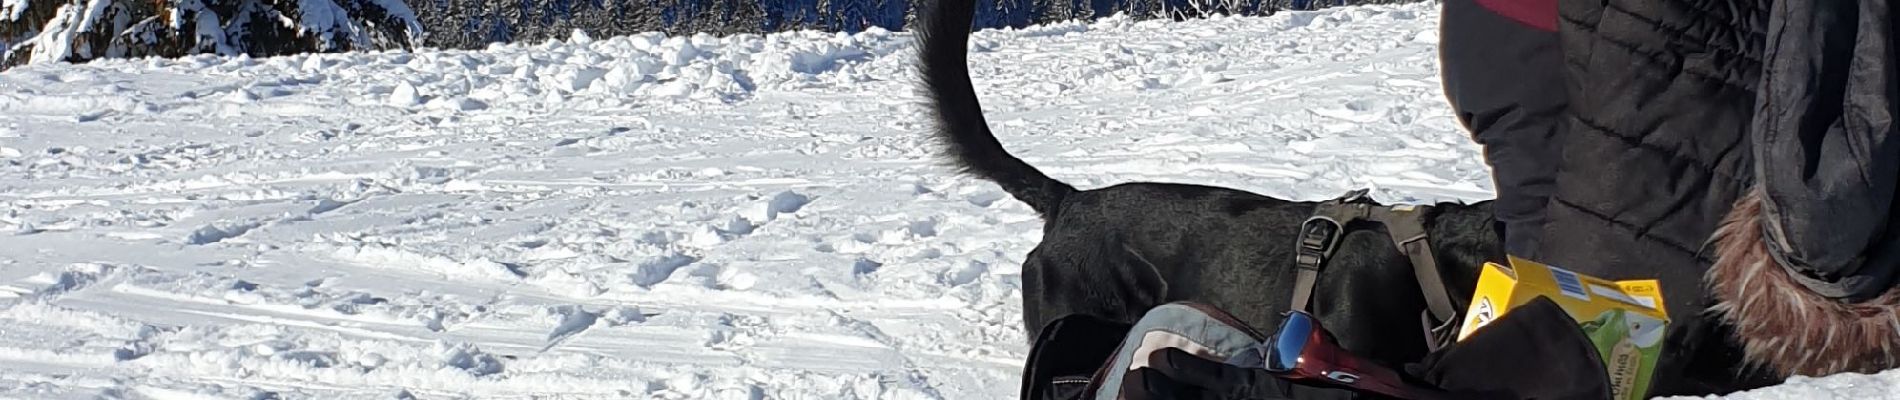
{"x":82,"y":30}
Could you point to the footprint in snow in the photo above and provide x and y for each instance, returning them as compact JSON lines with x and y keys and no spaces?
{"x":748,"y":219}
{"x":923,"y":228}
{"x":573,"y":320}
{"x":858,"y":242}
{"x":927,"y":253}
{"x":327,"y":205}
{"x":965,"y":275}
{"x":734,"y":332}
{"x":986,"y":198}
{"x":657,"y":238}
{"x":865,"y":267}
{"x":467,"y":357}
{"x":656,"y":271}
{"x":911,"y":232}
{"x":737,"y":225}
{"x":209,"y":234}
{"x":785,"y":202}
{"x":77,"y":276}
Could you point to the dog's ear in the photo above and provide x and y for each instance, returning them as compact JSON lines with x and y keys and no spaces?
{"x":1145,"y":274}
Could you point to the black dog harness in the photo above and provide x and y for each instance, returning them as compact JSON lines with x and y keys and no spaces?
{"x":1320,"y":235}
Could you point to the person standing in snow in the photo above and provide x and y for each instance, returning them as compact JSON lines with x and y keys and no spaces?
{"x":1741,"y":151}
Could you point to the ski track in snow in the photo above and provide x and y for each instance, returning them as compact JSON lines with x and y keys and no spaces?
{"x":742,"y":217}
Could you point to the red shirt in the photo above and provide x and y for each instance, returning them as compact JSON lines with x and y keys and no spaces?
{"x":1540,"y":14}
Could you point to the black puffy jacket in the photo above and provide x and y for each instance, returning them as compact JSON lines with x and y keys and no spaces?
{"x":1735,"y":149}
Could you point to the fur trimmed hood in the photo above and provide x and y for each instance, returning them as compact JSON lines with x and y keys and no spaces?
{"x":1781,"y":325}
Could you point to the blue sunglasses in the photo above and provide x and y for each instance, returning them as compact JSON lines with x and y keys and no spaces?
{"x":1302,"y":350}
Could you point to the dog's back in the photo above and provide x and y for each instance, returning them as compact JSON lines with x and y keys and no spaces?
{"x":1118,"y":251}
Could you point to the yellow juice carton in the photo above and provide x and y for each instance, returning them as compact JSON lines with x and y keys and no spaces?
{"x":1625,"y":319}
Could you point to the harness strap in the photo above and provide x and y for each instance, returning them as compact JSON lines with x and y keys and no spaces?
{"x":1406,"y":225}
{"x":1319,"y":237}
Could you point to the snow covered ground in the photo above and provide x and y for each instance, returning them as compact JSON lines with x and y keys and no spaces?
{"x":752,"y":217}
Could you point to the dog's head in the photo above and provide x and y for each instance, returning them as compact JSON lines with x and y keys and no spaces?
{"x":1369,"y":287}
{"x":1464,"y":237}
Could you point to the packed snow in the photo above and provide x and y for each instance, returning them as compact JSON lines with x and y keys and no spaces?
{"x":745,"y":217}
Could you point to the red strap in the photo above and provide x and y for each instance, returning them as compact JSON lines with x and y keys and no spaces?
{"x":1540,"y":14}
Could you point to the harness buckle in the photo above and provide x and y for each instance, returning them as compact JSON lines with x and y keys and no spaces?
{"x":1437,"y":337}
{"x":1318,"y":235}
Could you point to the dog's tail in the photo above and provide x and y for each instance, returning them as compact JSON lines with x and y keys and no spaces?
{"x":943,"y":34}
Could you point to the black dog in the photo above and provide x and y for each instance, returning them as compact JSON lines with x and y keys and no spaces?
{"x":1115,"y":252}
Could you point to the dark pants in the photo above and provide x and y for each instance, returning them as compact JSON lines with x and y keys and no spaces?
{"x":1501,"y":69}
